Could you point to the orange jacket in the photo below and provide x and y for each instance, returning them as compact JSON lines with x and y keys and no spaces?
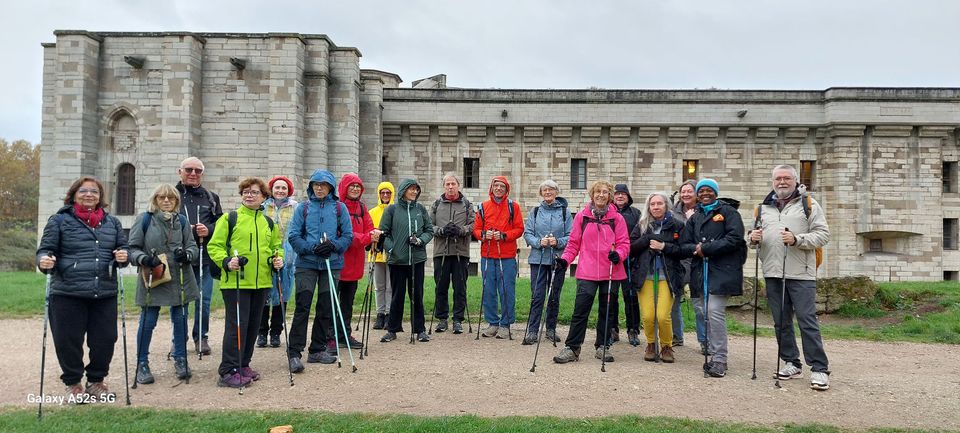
{"x":496,"y":216}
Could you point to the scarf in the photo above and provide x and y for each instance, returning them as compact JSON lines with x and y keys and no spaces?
{"x":706,"y":209}
{"x":91,"y":217}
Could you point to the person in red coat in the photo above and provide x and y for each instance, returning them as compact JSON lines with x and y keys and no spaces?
{"x":498,"y":225}
{"x":351,"y":189}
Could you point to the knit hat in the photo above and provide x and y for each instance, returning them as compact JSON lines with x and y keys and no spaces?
{"x":710,"y":183}
{"x":284,"y":179}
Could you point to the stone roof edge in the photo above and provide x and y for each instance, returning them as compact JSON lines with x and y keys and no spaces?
{"x":202,"y":36}
{"x":371,"y":73}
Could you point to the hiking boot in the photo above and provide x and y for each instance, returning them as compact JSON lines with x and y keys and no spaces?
{"x":551,"y":335}
{"x":380,"y":322}
{"x":614,"y":335}
{"x":666,"y":355}
{"x":388,"y":337}
{"x":633,"y":336}
{"x":331,"y":347}
{"x":529,"y":339}
{"x":819,"y":381}
{"x":296,"y":366}
{"x":457,"y":328}
{"x":503,"y":332}
{"x":567,"y":355}
{"x":98,"y":391}
{"x":203,"y":347}
{"x":423,"y":337}
{"x":715,"y":369}
{"x":274,"y":341}
{"x":354,"y":343}
{"x":789,"y":371}
{"x":249,"y":373}
{"x":144,"y":376}
{"x":232,"y":380}
{"x":322,"y":357}
{"x":651,"y":353}
{"x":76,"y":394}
{"x":262,"y":340}
{"x":604,"y":354}
{"x":442,"y":326}
{"x":491,"y":331}
{"x":181,"y":369}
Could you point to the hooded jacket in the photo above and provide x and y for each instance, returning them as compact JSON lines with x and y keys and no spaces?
{"x":402,"y":220}
{"x":459,"y":212}
{"x":252,"y":238}
{"x":376,"y":213}
{"x":549,"y":219}
{"x":643,"y":263}
{"x":496,"y":216}
{"x":314,"y":218}
{"x":362,"y":226}
{"x":811,"y":233}
{"x":593,"y":242}
{"x":164,"y":237}
{"x":721,"y":232}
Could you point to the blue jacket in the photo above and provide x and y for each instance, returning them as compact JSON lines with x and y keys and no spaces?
{"x":313,"y":218}
{"x":549,"y":220}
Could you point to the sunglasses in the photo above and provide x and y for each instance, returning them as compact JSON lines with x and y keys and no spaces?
{"x":192,"y":170}
{"x":88,"y":191}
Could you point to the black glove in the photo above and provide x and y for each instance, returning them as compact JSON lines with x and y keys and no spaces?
{"x":561,"y":263}
{"x":150,"y":261}
{"x":181,"y":255}
{"x":323,"y":249}
{"x":380,"y":245}
{"x":614,"y":257}
{"x":242,"y":261}
{"x":415,"y":241}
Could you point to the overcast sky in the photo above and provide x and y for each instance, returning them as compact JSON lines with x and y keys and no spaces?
{"x":680,"y":44}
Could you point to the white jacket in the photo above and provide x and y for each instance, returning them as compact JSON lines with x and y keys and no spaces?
{"x":812,"y":233}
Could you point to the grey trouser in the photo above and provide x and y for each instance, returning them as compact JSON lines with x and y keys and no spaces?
{"x":382,"y":282}
{"x":801,"y":301}
{"x":716,"y":326}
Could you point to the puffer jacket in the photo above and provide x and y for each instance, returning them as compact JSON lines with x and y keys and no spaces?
{"x":84,"y":255}
{"x":811,"y":234}
{"x":721,"y":232}
{"x":252,"y":238}
{"x":399,"y":221}
{"x":496,"y":216}
{"x":549,"y":219}
{"x":164,"y":237}
{"x":592,"y":240}
{"x":643,"y":263}
{"x":362,"y":224}
{"x":461,"y":213}
{"x":377,"y":212}
{"x":314,"y":218}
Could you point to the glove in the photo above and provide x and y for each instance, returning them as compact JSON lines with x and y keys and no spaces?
{"x":614,"y":257}
{"x":181,"y":255}
{"x":242,"y":261}
{"x":561,"y":263}
{"x":415,"y":241}
{"x":380,"y":245}
{"x":323,"y":249}
{"x":150,"y":261}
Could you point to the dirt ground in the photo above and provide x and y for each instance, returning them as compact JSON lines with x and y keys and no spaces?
{"x":872,"y":384}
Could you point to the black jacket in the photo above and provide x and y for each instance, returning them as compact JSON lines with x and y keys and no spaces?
{"x":721,"y":231}
{"x":642,"y":256}
{"x":209,"y":212}
{"x":84,"y":255}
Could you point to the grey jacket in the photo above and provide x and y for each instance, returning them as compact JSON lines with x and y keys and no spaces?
{"x":811,"y":234}
{"x":164,"y":237}
{"x":462,"y":214}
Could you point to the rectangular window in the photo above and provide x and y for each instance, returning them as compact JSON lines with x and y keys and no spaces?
{"x":807,"y":175}
{"x":471,"y":172}
{"x":951,"y":275}
{"x":691,"y":169}
{"x":949,"y":176}
{"x":950,"y":231}
{"x":383,"y":166}
{"x":876,"y":245}
{"x":578,"y":173}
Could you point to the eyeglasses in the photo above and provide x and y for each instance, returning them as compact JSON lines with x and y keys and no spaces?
{"x":166,"y":197}
{"x":192,"y":170}
{"x":385,"y":193}
{"x":353,"y":186}
{"x":88,"y":191}
{"x":251,"y":192}
{"x":499,"y":186}
{"x":783,"y":179}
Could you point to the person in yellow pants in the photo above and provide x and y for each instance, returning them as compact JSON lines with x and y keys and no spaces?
{"x":654,"y":241}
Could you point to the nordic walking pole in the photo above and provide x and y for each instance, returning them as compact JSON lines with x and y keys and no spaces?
{"x":783,"y":300}
{"x":483,"y":287}
{"x":413,"y":278}
{"x":333,"y":303}
{"x":543,"y":319}
{"x":706,"y":312}
{"x":503,"y":286}
{"x":123,"y":327}
{"x":46,"y":319}
{"x":236,"y":254}
{"x":436,"y":289}
{"x":606,"y":319}
{"x":183,"y":309}
{"x":550,"y":293}
{"x":656,"y":296}
{"x":339,"y":315}
{"x":756,"y":304}
{"x":367,"y":303}
{"x":533,"y":284}
{"x":283,"y":312}
{"x":466,"y":301}
{"x":199,"y":308}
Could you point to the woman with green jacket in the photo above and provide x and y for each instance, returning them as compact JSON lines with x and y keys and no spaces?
{"x":247,"y":246}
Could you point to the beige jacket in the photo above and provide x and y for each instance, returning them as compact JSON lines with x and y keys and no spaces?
{"x":801,"y":260}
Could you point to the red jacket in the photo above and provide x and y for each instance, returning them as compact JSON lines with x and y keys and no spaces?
{"x":353,"y":258}
{"x":496,"y":216}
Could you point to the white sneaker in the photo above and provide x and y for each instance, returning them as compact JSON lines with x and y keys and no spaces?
{"x":789,"y":371}
{"x":819,"y":381}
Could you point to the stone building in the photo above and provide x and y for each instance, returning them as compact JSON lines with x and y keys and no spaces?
{"x":127,"y":107}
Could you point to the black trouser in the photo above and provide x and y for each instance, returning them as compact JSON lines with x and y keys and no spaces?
{"x":346,"y":290}
{"x":403,"y":278}
{"x":631,"y":305}
{"x":586,"y":290}
{"x":272,"y":320}
{"x":308,"y":282}
{"x":248,"y":301}
{"x":72,"y":319}
{"x":445,"y":269}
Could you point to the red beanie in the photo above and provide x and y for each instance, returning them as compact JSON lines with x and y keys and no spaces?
{"x":286,"y":180}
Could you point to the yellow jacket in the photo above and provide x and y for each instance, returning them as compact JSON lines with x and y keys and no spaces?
{"x":376,"y":212}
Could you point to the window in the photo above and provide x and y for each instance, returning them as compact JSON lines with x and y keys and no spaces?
{"x":126,"y":190}
{"x":950,"y":231}
{"x":949,"y":176}
{"x":471,"y":172}
{"x":691,"y":169}
{"x":807,"y":175}
{"x":876,"y":245}
{"x":383,"y":166}
{"x":578,"y":173}
{"x":951,"y":275}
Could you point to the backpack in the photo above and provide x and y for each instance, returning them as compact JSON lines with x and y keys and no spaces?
{"x":147,"y":217}
{"x":436,"y":204}
{"x":303,"y":214}
{"x":563,"y":208}
{"x":231,"y":223}
{"x":807,"y":202}
{"x":483,"y":221}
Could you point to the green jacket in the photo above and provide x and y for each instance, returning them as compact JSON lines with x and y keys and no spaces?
{"x":399,"y":221}
{"x":253,"y":239}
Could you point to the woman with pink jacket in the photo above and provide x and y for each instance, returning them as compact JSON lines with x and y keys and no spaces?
{"x":600,"y":238}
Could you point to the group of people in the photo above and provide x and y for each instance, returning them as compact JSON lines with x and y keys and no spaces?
{"x":272,"y":247}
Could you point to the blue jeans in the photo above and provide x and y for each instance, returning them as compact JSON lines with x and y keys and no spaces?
{"x":677,"y":318}
{"x":148,"y":321}
{"x":499,"y":283}
{"x":206,"y":287}
{"x":540,"y":278}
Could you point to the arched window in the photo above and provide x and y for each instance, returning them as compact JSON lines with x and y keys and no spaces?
{"x":126,"y":189}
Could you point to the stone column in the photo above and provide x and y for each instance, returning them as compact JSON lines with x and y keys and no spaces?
{"x":344,"y":121}
{"x":285,"y":116}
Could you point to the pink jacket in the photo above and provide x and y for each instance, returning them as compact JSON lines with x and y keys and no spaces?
{"x":592,"y":240}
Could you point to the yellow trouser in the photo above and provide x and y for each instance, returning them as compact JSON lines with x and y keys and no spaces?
{"x":664,"y":304}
